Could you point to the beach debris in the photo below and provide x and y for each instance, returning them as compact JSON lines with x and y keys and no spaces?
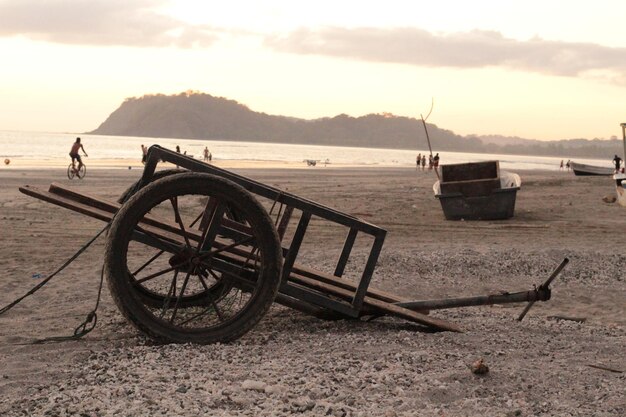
{"x":7,"y":161}
{"x":606,"y":368}
{"x":569,"y":318}
{"x":479,"y":367}
{"x":609,"y":199}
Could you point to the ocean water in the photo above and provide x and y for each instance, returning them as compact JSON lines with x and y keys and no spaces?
{"x":22,"y":147}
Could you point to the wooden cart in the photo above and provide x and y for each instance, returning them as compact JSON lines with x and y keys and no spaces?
{"x":199,"y":254}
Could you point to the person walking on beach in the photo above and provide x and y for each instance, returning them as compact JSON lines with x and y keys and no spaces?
{"x":567,"y":165}
{"x":206,"y":154}
{"x":144,"y":154}
{"x":561,"y":167}
{"x":436,"y":161}
{"x":431,"y":162}
{"x":418,"y":161}
{"x":77,"y":146}
{"x":423,"y":162}
{"x":617,"y":161}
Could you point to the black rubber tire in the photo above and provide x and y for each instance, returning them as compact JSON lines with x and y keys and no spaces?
{"x":70,"y":172}
{"x":81,"y":172}
{"x":266,"y":238}
{"x":156,"y":176}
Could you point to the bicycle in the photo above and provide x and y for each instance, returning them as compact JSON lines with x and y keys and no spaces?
{"x":73,"y":172}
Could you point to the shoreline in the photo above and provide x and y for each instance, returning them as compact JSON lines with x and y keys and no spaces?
{"x":99,"y":164}
{"x":134,"y":164}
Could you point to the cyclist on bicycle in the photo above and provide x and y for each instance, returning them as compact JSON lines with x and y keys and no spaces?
{"x":76,"y":146}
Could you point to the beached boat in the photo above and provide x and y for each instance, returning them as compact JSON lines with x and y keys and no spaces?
{"x":583,"y":169}
{"x":477,"y":191}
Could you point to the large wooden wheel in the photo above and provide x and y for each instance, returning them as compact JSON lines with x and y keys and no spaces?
{"x":183,"y":269}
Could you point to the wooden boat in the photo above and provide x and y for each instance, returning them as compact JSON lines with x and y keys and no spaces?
{"x":477,"y":191}
{"x":583,"y":169}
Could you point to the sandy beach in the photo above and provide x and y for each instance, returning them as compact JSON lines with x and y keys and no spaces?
{"x":293,"y":364}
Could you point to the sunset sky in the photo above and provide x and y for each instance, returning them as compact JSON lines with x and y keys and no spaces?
{"x":535,"y":69}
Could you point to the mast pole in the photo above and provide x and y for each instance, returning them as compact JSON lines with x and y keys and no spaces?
{"x":623,"y":125}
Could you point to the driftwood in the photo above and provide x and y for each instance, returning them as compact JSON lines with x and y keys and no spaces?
{"x":605,"y":368}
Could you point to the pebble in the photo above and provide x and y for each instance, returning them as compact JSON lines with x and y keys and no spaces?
{"x":249,"y":384}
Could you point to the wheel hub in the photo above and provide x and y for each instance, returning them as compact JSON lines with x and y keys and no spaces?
{"x":186,"y":261}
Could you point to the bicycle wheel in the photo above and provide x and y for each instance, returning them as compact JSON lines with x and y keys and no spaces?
{"x":70,"y":172}
{"x":82,"y":172}
{"x":212,"y":281}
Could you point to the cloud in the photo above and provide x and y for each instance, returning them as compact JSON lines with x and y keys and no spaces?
{"x":100,"y":22}
{"x":474,"y":49}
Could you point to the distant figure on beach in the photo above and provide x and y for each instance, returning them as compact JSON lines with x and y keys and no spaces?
{"x":177,"y":148}
{"x":418,"y":161}
{"x":436,"y":161}
{"x":561,"y":167}
{"x":206,"y":154}
{"x":423,"y":162}
{"x":431,"y":162}
{"x":617,"y":161}
{"x":326,"y":162}
{"x":77,"y":146}
{"x":568,"y":165}
{"x":144,"y":153}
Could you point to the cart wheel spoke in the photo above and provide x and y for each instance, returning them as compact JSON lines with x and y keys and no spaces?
{"x":214,"y":213}
{"x":155,"y":275}
{"x":142,"y":267}
{"x":180,"y":294}
{"x":210,"y":297}
{"x":179,"y":220}
{"x":171,"y":293}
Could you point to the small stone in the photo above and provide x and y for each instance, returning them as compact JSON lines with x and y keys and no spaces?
{"x":182,"y":389}
{"x":250,"y":384}
{"x":274,"y":389}
{"x":479,"y":367}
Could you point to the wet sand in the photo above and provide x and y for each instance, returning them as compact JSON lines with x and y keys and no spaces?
{"x":295,"y":364}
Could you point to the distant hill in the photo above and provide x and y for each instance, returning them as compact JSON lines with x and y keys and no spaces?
{"x":196,"y":115}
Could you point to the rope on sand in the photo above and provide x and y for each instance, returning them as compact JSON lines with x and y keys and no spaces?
{"x":90,"y":321}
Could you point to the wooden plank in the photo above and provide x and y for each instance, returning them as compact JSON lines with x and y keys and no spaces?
{"x":471,"y":188}
{"x":347,"y":284}
{"x":378,"y":305}
{"x":470,"y":171}
{"x":161,"y":230}
{"x":67,"y":203}
{"x":83,"y":198}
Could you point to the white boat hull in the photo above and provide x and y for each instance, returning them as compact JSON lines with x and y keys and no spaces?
{"x":583,"y":169}
{"x":620,"y":188}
